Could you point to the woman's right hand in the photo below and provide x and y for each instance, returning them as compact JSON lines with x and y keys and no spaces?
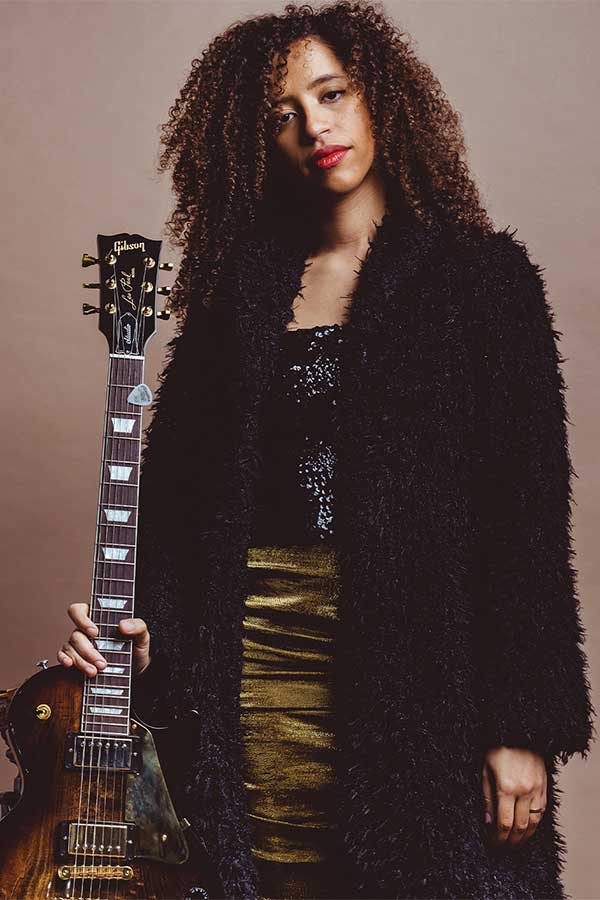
{"x":78,"y":650}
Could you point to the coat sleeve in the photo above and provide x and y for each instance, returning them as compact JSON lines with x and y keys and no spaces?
{"x":532,"y":683}
{"x":170,"y":471}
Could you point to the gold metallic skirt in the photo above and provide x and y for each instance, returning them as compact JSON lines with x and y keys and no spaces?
{"x":289,"y":631}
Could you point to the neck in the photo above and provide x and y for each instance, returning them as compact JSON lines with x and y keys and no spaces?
{"x":344,"y":224}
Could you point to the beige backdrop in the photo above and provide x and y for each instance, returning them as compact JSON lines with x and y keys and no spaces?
{"x":86,"y":86}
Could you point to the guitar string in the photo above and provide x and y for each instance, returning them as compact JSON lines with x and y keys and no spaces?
{"x":100,"y":732}
{"x":81,"y":838}
{"x":108,"y":541}
{"x":135,"y":368}
{"x":95,"y":727}
{"x":119,"y":364}
{"x":134,"y":372}
{"x":125,"y":377}
{"x":99,"y":729}
{"x":96,"y":732}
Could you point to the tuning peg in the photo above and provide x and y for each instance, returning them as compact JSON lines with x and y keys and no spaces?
{"x":164,"y":313}
{"x":91,"y":284}
{"x":87,"y":260}
{"x":166,"y":266}
{"x":165,"y":291}
{"x":42,"y":664}
{"x":87,"y":309}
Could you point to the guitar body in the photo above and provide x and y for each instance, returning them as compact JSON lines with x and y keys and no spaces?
{"x":97,"y":827}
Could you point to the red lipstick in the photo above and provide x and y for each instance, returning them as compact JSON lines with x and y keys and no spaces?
{"x":329,"y":156}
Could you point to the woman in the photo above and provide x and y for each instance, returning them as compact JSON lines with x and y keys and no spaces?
{"x":354,"y":550}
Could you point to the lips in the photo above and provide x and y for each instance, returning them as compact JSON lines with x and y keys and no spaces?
{"x":332,"y":158}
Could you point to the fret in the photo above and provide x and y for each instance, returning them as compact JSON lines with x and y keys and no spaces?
{"x":116,"y":494}
{"x":118,"y":398}
{"x":123,"y":437}
{"x":117,"y":528}
{"x":114,"y":571}
{"x":119,"y":535}
{"x":120,"y":449}
{"x":111,"y":630}
{"x":117,"y":679}
{"x":109,"y":729}
{"x":105,"y":616}
{"x":125,"y":679}
{"x":108,"y":590}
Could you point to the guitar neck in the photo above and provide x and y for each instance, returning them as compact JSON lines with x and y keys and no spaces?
{"x":107,"y":695}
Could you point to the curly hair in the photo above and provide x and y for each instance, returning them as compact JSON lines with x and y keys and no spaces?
{"x":218,"y":144}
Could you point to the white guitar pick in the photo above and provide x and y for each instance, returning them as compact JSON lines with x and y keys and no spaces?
{"x":141,"y":395}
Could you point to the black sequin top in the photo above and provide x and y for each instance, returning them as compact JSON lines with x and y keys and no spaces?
{"x":295,"y":493}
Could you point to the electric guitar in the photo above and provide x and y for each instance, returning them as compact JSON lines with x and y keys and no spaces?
{"x":94,"y":817}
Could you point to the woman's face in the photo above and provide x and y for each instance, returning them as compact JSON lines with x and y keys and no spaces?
{"x":319,"y":108}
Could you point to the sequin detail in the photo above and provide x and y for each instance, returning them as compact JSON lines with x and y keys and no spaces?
{"x":295,"y":501}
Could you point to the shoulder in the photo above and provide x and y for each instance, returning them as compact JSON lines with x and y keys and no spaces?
{"x":502,"y":285}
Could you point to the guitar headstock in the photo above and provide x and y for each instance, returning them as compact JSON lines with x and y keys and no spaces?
{"x":129,"y":265}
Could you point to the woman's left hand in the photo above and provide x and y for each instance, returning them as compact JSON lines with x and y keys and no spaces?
{"x":514,"y":786}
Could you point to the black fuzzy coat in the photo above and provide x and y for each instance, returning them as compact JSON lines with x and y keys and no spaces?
{"x":459,"y":617}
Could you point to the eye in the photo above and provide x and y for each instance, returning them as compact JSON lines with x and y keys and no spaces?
{"x":334,"y":91}
{"x":282,"y":121}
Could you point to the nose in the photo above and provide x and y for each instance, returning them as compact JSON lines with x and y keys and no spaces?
{"x":315,"y":123}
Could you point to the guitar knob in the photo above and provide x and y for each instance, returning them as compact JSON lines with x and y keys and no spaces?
{"x":87,"y":309}
{"x":197,"y":892}
{"x":87,"y":260}
{"x":42,"y":664}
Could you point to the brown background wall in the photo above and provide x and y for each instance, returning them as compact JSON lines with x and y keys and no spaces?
{"x":86,"y":86}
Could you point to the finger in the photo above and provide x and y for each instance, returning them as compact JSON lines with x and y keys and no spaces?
{"x":488,"y":796}
{"x":86,"y":649}
{"x":521,"y":819}
{"x":137,"y":630}
{"x":77,"y":660}
{"x":505,"y":815}
{"x":79,"y":614}
{"x":539,"y":801}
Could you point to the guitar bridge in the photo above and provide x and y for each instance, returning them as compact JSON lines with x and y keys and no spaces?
{"x":99,"y":873}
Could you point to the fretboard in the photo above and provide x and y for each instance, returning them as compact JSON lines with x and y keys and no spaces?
{"x":107,"y":695}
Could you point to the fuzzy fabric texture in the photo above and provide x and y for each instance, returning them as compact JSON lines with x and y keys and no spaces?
{"x":459,"y":619}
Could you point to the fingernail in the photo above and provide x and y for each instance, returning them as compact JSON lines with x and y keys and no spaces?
{"x":92,"y":630}
{"x":488,"y":818}
{"x":128,"y":626}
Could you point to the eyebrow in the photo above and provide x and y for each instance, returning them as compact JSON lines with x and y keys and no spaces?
{"x":313,"y":84}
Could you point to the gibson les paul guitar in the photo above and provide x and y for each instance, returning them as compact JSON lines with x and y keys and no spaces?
{"x":95,"y":818}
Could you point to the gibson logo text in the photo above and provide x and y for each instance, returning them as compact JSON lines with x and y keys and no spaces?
{"x":121,"y":246}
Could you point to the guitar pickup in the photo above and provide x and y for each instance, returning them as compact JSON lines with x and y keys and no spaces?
{"x":88,"y":751}
{"x":92,"y":840}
